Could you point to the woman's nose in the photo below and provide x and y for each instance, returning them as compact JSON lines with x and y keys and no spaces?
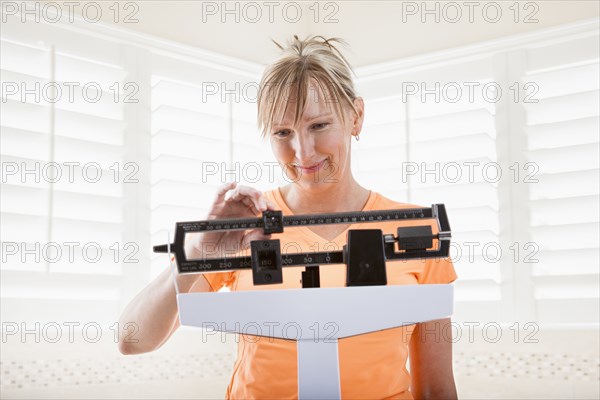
{"x":304,"y":148}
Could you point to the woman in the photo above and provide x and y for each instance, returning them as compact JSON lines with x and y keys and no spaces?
{"x":309,"y":111}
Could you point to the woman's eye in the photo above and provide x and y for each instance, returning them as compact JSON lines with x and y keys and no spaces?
{"x":281,"y":133}
{"x":320,"y":126}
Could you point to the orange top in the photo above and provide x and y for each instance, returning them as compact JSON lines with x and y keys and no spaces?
{"x":372,"y":365}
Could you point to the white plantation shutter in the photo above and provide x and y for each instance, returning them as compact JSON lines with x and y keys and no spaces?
{"x":563,"y":141}
{"x":375,"y":157}
{"x":457,"y":142}
{"x":252,"y":154}
{"x":72,"y":213}
{"x":25,"y":142}
{"x":90,"y":134}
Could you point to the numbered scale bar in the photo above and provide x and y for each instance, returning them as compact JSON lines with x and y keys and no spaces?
{"x":241,"y":263}
{"x":274,"y":221}
{"x":298,"y":259}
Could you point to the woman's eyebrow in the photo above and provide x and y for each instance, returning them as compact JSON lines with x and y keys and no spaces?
{"x":310,"y":118}
{"x":306,"y":118}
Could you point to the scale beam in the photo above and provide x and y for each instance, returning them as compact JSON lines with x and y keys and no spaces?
{"x":412,"y":242}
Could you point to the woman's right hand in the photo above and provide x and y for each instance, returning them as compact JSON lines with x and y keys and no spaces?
{"x":231,"y":201}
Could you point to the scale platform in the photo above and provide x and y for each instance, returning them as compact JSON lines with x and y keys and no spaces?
{"x":338,"y":313}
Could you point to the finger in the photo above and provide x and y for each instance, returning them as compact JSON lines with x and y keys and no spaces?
{"x":247,"y":202}
{"x":266,"y":204}
{"x":222,"y":191}
{"x":271,"y":205}
{"x":250,"y":205}
{"x":246,"y":192}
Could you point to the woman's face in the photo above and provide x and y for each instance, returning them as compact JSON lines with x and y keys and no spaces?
{"x":315,"y":153}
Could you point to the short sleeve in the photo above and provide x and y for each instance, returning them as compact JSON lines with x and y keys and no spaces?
{"x":437,"y":270}
{"x":217,"y":280}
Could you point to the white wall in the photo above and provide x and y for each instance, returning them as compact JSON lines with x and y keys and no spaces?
{"x":375,"y":30}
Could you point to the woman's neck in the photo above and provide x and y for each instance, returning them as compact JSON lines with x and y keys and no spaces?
{"x":339,"y":197}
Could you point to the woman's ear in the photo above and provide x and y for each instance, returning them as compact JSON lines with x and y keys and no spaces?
{"x":359,"y":116}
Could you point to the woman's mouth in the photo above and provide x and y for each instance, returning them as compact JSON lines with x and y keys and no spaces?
{"x":313,"y":168}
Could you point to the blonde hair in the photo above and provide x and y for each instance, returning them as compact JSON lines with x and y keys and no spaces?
{"x":302,"y":60}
